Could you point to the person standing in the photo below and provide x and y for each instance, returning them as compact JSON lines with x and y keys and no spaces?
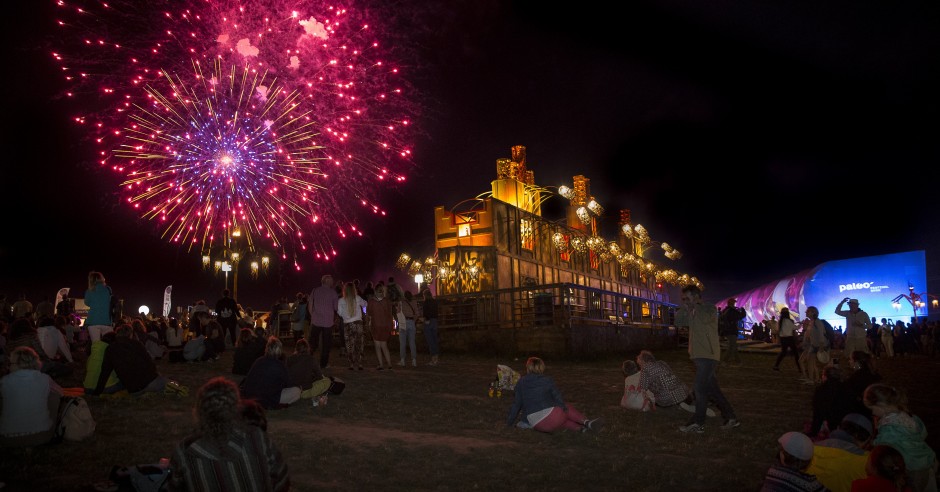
{"x":350,"y":308}
{"x":886,"y":332}
{"x":321,"y":305}
{"x":227,"y":311}
{"x":429,"y":312}
{"x":98,"y":300}
{"x":406,"y":334}
{"x":814,"y":341}
{"x":702,"y":322}
{"x":381,"y":313}
{"x":300,"y":318}
{"x":787,"y":340}
{"x":857,"y":323}
{"x":728,"y":325}
{"x":773,"y":329}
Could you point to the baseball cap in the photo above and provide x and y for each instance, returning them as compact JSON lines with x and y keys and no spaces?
{"x":797,"y":445}
{"x":859,"y":420}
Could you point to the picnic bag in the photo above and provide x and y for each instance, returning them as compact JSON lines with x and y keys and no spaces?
{"x":75,"y":422}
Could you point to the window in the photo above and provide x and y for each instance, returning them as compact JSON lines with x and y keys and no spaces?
{"x":526,"y":237}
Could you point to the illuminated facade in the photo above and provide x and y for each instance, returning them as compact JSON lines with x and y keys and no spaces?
{"x":885,"y":285}
{"x":499,"y":263}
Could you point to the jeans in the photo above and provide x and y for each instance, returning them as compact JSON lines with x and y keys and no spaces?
{"x":407,"y":336}
{"x":731,"y":355}
{"x":430,"y":334}
{"x":322,"y":334}
{"x":706,"y":388}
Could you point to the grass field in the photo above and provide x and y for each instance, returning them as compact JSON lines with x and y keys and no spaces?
{"x":435,"y":428}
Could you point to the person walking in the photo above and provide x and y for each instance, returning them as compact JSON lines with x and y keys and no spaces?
{"x":322,"y":304}
{"x":702,"y":322}
{"x":429,"y":313}
{"x":728,"y":321}
{"x":98,"y":300}
{"x":886,"y":332}
{"x":857,"y":323}
{"x":787,"y":340}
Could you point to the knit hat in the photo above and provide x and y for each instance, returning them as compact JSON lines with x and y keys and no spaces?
{"x":797,"y":444}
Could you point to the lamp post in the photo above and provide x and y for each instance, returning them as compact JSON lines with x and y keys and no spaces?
{"x":916,"y":300}
{"x":228,"y":257}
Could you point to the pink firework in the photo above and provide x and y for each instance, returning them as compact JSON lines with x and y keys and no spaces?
{"x":282,"y":119}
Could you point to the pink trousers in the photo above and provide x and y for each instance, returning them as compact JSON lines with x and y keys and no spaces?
{"x":559,"y":420}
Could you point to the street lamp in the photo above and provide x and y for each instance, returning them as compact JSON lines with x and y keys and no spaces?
{"x":228,"y":257}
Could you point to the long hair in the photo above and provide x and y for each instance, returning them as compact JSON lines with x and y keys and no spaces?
{"x":217,"y":407}
{"x":349,"y":296}
{"x":888,"y":463}
{"x":274,"y":348}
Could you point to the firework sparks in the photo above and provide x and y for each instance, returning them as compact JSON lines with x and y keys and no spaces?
{"x":279,"y":118}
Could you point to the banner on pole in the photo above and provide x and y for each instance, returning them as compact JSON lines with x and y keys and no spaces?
{"x":166,"y":300}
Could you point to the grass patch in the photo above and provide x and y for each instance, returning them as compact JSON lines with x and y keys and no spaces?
{"x":435,"y":428}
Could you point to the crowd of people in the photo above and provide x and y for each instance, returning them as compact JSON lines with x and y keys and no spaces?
{"x":861,"y":435}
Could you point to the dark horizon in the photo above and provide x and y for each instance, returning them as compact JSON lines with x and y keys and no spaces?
{"x":759,"y":140}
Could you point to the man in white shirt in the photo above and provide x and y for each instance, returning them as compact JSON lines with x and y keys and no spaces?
{"x":857,"y":324}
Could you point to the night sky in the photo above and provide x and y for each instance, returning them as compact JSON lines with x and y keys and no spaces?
{"x":758,"y":138}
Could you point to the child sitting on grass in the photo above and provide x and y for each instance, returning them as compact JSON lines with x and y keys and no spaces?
{"x":635,"y":398}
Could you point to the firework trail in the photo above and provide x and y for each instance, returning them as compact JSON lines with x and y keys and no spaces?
{"x":282,"y":119}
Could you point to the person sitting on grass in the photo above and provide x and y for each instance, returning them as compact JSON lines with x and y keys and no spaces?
{"x":840,"y":460}
{"x":788,"y":474}
{"x":885,"y":470}
{"x":128,"y":358}
{"x":657,"y":377}
{"x":30,"y":402}
{"x":93,"y":366}
{"x":304,"y":370}
{"x":831,"y":402}
{"x":225,"y":452}
{"x":268,"y":380}
{"x":635,"y":398}
{"x":247,"y":350}
{"x":541,"y":405}
{"x":898,"y":428}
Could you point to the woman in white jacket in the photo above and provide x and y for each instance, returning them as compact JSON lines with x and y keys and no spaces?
{"x":350,"y":308}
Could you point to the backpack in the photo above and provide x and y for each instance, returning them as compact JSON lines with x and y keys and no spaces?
{"x":75,"y":422}
{"x":830,"y":334}
{"x":394,"y":293}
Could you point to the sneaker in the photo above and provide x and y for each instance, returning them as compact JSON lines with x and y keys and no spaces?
{"x":594,"y":425}
{"x":691,"y":409}
{"x":731,"y":424}
{"x":401,"y":362}
{"x":414,"y":363}
{"x":360,"y":368}
{"x":693,"y":428}
{"x":380,"y":368}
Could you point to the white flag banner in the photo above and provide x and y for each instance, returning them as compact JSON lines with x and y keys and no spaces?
{"x":166,"y":300}
{"x":63,"y":292}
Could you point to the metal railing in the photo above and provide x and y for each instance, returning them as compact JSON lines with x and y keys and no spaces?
{"x":560,"y":304}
